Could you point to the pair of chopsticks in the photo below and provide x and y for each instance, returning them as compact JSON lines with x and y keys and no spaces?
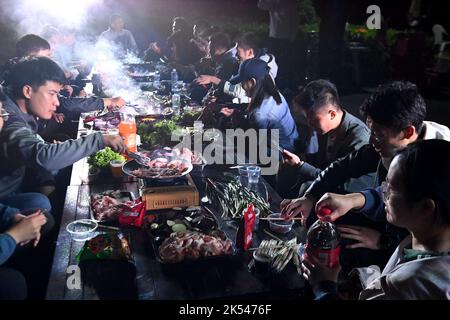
{"x":279,"y":219}
{"x":103,"y":226}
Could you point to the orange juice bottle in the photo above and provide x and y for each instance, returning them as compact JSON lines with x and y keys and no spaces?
{"x":127,"y":130}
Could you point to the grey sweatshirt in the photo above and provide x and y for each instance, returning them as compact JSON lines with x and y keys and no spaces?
{"x":22,"y":147}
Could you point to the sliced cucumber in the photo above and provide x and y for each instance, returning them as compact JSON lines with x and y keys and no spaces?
{"x":179,"y":227}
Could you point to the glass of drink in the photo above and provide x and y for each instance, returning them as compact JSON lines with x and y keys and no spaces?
{"x":253,"y":173}
{"x":116,"y":168}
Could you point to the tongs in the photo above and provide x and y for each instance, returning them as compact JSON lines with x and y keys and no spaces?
{"x":143,"y":160}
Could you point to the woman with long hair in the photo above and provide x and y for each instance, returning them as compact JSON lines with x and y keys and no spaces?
{"x":268,"y":108}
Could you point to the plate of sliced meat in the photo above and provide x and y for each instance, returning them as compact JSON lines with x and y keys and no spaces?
{"x":192,"y":245}
{"x":106,"y":206}
{"x":188,"y":235}
{"x":161,"y":164}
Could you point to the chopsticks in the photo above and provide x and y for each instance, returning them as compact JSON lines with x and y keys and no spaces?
{"x":108,"y":227}
{"x":279,"y":219}
{"x":102,"y":226}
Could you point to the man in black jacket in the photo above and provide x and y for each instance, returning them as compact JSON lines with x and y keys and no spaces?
{"x":224,"y":63}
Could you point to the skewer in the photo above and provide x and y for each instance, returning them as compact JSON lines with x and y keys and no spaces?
{"x":103,"y":227}
{"x":259,"y":248}
{"x":279,"y":219}
{"x":209,"y":210}
{"x":272,"y":235}
{"x":108,"y":227}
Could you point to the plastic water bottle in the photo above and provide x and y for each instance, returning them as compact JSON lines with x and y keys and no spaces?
{"x":156,"y":80}
{"x":174,"y":80}
{"x":323,"y":240}
{"x":176,"y":103}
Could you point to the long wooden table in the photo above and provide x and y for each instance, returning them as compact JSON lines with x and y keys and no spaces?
{"x":149,"y":279}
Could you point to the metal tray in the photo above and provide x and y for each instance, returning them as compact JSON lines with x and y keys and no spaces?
{"x":132,"y":165}
{"x":214,"y":229}
{"x":121,"y":195}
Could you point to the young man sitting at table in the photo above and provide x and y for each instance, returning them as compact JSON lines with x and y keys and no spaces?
{"x":33,"y":89}
{"x":224,"y":65}
{"x":339,"y":133}
{"x":21,"y":220}
{"x":248,"y":47}
{"x":417,"y":197}
{"x":31,"y":45}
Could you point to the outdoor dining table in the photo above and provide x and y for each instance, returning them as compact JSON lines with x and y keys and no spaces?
{"x":146,"y":277}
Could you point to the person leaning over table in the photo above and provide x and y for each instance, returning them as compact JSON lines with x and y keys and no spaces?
{"x":18,"y":229}
{"x":395,"y":114}
{"x":224,"y":66}
{"x":71,"y":107}
{"x":416,"y":197}
{"x":339,"y":133}
{"x":184,"y":55}
{"x":248,"y":47}
{"x":33,"y":89}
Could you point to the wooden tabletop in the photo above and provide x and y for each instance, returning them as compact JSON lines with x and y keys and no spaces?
{"x":147,"y":278}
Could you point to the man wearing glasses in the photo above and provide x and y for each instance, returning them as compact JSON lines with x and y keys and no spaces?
{"x":395,"y":115}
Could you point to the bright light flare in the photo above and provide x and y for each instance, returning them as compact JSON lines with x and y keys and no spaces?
{"x":71,"y":13}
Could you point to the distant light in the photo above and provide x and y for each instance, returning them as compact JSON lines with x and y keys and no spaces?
{"x":69,"y":12}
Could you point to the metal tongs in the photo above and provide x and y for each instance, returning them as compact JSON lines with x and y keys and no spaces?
{"x":143,"y":160}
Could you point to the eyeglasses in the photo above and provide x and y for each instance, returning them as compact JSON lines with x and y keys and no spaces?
{"x":377,"y":138}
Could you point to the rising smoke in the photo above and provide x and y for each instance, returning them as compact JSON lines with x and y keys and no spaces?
{"x":32,"y":16}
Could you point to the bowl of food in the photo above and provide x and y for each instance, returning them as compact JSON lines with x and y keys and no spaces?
{"x":278,"y":224}
{"x":82,"y":230}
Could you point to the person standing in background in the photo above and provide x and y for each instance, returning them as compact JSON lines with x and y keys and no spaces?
{"x":283,"y":30}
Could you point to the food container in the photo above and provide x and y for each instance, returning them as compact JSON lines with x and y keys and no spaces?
{"x":116,"y":168}
{"x":261,"y":263}
{"x":279,"y":226}
{"x":122,"y":196}
{"x":82,"y":230}
{"x":177,"y":223}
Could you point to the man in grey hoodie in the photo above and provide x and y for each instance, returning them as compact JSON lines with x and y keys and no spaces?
{"x":33,"y":94}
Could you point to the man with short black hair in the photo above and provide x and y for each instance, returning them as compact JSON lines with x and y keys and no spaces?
{"x":33,"y":45}
{"x":395,"y":114}
{"x":339,"y":133}
{"x":224,"y":62}
{"x":248,"y":47}
{"x":33,"y":89}
{"x":122,"y":38}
